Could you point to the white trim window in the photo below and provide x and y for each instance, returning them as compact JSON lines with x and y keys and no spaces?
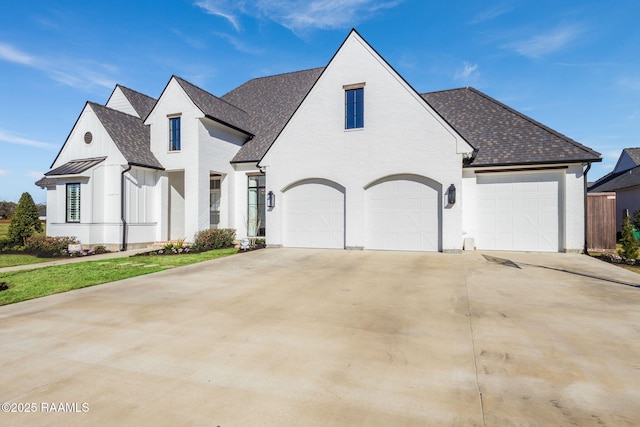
{"x":354,"y":106}
{"x":174,"y":133}
{"x":73,"y":203}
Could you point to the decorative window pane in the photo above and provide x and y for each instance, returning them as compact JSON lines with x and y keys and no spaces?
{"x":354,"y":108}
{"x":256,"y":206}
{"x":174,"y":134}
{"x":73,"y":202}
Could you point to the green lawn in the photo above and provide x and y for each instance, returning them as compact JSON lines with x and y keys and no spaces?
{"x":11,"y":260}
{"x":25,"y":285}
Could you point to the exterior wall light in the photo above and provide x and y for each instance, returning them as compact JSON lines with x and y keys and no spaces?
{"x":271,"y":200}
{"x":451,"y":195}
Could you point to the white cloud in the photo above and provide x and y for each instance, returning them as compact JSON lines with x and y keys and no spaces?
{"x":10,"y":138}
{"x":35,"y":174}
{"x":298,"y":15}
{"x":11,"y":54}
{"x":491,"y":14}
{"x":4,"y":172}
{"x":223,"y":9}
{"x":85,"y":75}
{"x":546,"y":43}
{"x":468,"y":72}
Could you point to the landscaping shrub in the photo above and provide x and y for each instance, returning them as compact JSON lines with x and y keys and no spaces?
{"x":100,"y":249}
{"x":217,"y":238}
{"x":49,"y":247}
{"x":5,"y":244}
{"x":628,"y":241}
{"x":25,"y":221}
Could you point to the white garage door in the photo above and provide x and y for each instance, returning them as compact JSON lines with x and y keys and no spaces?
{"x":314,"y":216}
{"x":519,"y":211}
{"x":402,"y":214}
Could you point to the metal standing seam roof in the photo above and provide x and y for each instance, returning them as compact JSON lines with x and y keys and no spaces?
{"x":269,"y":102}
{"x":216,"y":108}
{"x":130,"y":135}
{"x":75,"y":167}
{"x":502,"y":135}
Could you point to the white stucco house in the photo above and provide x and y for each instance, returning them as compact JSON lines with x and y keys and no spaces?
{"x":347,"y":156}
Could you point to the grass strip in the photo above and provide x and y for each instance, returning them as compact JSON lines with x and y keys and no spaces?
{"x":29,"y":284}
{"x":11,"y":260}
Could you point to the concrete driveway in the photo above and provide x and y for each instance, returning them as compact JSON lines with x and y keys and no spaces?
{"x":321,"y":337}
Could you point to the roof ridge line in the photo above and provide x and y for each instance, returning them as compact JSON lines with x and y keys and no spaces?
{"x":209,"y":93}
{"x":136,"y":91}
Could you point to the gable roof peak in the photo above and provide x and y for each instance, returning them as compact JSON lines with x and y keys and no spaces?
{"x":214,"y":108}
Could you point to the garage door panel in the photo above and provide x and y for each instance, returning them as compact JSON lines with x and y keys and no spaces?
{"x":314,"y":216}
{"x":402,"y":214}
{"x":519,"y":212}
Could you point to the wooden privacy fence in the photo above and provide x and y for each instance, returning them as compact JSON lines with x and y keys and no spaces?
{"x":601,"y":221}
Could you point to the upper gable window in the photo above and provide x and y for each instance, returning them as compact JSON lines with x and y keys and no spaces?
{"x":354,"y":106}
{"x":174,"y":133}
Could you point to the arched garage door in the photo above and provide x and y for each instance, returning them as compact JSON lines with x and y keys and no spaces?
{"x":519,"y":211}
{"x":314,"y":215}
{"x":403,"y":213}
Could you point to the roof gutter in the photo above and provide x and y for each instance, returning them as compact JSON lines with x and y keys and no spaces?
{"x":122,"y":208}
{"x":586,"y":200}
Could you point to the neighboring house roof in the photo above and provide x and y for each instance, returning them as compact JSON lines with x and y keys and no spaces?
{"x":140,"y":102}
{"x":270,"y":102}
{"x":215,"y":108}
{"x":629,"y":158}
{"x":75,"y":166}
{"x":620,"y":179}
{"x":130,"y":135}
{"x":634,"y":154}
{"x":502,"y":135}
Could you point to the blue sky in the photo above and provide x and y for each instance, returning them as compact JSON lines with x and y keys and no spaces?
{"x":573,"y":65}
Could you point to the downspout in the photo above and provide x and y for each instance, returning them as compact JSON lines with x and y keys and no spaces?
{"x":586,"y":225}
{"x":122,"y":209}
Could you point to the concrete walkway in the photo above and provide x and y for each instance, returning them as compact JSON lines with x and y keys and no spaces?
{"x":319,"y":337}
{"x":69,"y":260}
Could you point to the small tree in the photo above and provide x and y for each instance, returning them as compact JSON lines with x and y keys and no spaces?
{"x":629,"y":243}
{"x":25,"y":221}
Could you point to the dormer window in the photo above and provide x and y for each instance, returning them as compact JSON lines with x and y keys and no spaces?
{"x":174,"y":133}
{"x":354,"y":106}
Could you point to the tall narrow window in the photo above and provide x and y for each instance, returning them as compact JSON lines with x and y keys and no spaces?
{"x":354,"y":108}
{"x":174,"y":133}
{"x":214,"y":201}
{"x":73,"y":202}
{"x":255,"y":205}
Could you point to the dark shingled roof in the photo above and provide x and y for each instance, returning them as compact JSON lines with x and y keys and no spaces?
{"x":129,"y":134}
{"x":140,"y":102}
{"x":501,"y":135}
{"x":270,"y":102}
{"x":617,"y":181}
{"x":75,"y":166}
{"x":216,"y":108}
{"x":634,"y":153}
{"x":46,"y":182}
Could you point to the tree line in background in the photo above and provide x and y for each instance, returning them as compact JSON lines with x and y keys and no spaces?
{"x":7,"y":209}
